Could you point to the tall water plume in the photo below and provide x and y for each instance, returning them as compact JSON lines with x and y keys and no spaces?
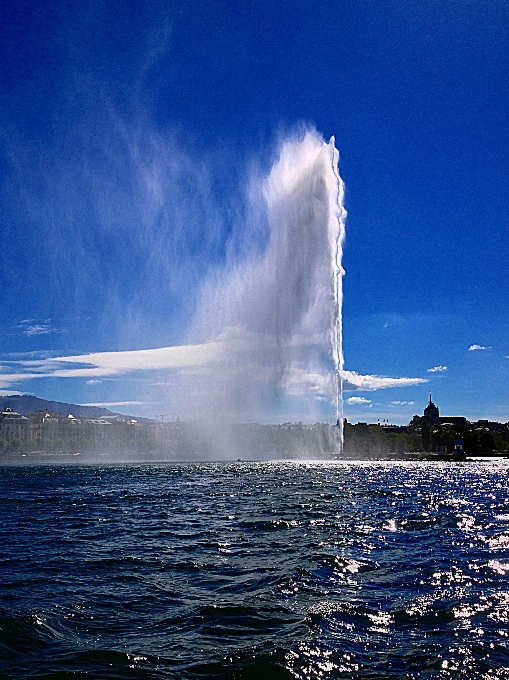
{"x":274,"y":313}
{"x":337,"y":231}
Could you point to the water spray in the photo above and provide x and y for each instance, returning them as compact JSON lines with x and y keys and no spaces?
{"x":337,"y":216}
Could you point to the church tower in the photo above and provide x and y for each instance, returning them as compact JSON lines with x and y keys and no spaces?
{"x":431,"y":413}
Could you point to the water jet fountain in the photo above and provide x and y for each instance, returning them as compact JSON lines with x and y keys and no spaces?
{"x":277,"y":310}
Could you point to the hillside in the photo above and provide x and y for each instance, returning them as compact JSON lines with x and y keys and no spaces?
{"x":27,"y":403}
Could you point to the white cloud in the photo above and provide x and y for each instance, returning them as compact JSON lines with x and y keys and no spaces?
{"x":94,"y":382}
{"x":358,"y":400}
{"x":35,"y":329}
{"x":437,"y":369}
{"x":31,"y":327}
{"x":473,"y":348}
{"x":402,"y":403}
{"x":106,"y":364}
{"x":179,"y":356}
{"x":369,"y":383}
{"x":35,"y":355}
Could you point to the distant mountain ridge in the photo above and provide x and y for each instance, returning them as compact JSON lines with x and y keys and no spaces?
{"x":26,"y":403}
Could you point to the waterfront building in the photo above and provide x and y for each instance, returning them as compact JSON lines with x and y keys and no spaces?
{"x":14,"y":426}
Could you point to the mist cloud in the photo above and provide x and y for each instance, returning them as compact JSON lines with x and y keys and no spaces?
{"x":280,"y":298}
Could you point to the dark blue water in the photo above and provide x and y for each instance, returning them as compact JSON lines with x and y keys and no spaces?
{"x":255,"y":570}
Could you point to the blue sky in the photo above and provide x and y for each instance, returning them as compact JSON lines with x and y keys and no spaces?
{"x":136,"y":140}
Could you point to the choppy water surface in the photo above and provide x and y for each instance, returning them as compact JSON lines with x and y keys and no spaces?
{"x":255,"y":570}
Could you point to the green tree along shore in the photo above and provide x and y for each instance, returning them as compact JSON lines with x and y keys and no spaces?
{"x":478,"y":438}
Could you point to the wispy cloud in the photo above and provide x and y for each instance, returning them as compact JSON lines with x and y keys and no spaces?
{"x":94,"y":382}
{"x":179,"y":356}
{"x":403,"y":403}
{"x":35,"y":355}
{"x":474,"y":348}
{"x":358,"y":400}
{"x":369,"y":383}
{"x":106,"y":364}
{"x":31,"y":327}
{"x":437,"y":369}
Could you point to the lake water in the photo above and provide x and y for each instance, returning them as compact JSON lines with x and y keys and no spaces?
{"x":255,"y":570}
